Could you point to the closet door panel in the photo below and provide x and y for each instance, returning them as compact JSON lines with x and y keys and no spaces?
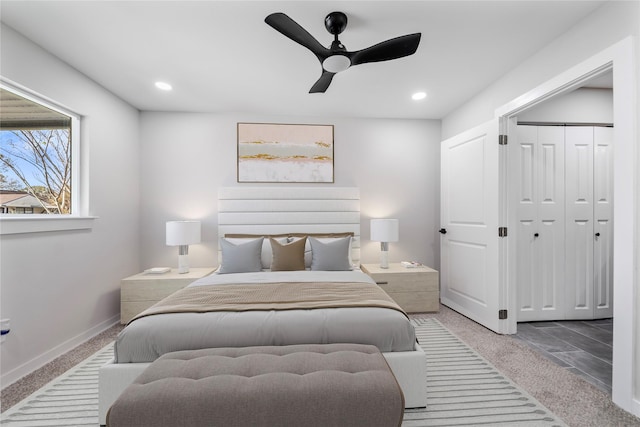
{"x":551,"y":256}
{"x":550,"y":173}
{"x":550,"y":222}
{"x":524,"y":153}
{"x":579,"y":269}
{"x":539,"y":153}
{"x":579,"y":222}
{"x":527,"y":274}
{"x":603,"y":222}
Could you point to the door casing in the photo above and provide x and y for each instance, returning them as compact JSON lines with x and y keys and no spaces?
{"x":626,"y":342}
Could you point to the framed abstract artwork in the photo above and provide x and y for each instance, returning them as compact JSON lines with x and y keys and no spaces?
{"x":271,"y":152}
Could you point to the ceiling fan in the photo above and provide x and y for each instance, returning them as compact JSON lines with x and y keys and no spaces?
{"x":337,"y":58}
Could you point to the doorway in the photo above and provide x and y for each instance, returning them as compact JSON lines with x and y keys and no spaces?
{"x":619,"y":59}
{"x":498,"y":297}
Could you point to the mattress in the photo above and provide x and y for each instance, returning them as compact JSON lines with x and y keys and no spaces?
{"x":149,"y":337}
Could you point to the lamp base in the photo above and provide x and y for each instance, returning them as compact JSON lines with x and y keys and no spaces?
{"x":384,"y":259}
{"x":183,"y":259}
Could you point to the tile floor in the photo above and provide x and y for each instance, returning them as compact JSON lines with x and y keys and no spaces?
{"x":584,"y":347}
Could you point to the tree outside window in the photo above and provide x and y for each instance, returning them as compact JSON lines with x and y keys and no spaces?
{"x":35,"y":157}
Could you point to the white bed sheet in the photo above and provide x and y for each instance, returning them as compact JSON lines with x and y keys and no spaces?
{"x":147,"y":338}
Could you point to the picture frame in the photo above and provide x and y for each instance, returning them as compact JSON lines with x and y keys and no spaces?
{"x":285,"y":153}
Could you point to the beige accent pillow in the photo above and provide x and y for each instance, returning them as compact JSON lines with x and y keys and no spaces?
{"x":287,"y":256}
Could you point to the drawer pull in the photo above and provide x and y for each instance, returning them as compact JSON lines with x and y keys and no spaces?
{"x":382,"y":283}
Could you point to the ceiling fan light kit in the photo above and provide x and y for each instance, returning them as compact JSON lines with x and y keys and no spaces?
{"x":337,"y":58}
{"x":336,"y":63}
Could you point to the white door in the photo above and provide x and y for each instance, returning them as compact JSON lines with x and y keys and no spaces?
{"x":603,"y":222}
{"x":579,"y":222}
{"x":537,"y":165}
{"x":469,"y":244}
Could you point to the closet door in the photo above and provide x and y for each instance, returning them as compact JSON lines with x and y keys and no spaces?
{"x":579,"y":223}
{"x":540,"y":236}
{"x":603,"y":222}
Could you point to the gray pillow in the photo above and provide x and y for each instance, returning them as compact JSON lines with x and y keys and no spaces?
{"x":330,"y":256}
{"x":242,"y":257}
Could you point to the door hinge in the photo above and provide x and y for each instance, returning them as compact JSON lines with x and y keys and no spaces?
{"x":502,"y":314}
{"x":502,"y":140}
{"x":502,"y":231}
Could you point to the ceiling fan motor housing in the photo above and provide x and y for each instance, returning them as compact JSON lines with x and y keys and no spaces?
{"x":335,"y":22}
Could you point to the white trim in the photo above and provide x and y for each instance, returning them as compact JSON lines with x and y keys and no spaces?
{"x":20,"y":224}
{"x":28,"y":367}
{"x":626,"y":347}
{"x":78,"y":206}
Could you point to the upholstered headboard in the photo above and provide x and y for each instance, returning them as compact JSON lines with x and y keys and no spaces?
{"x":281,"y":210}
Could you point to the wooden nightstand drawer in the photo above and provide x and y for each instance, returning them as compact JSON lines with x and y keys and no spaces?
{"x":416,"y":290}
{"x":150,"y":289}
{"x":402,"y":283}
{"x":141,"y":291}
{"x":417,"y":302}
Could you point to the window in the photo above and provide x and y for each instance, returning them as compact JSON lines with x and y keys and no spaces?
{"x":37,"y":156}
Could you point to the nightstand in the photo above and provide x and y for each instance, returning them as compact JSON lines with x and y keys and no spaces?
{"x":141,"y":291}
{"x":416,"y":290}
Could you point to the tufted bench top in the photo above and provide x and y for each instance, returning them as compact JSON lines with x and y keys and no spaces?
{"x":296,"y":385}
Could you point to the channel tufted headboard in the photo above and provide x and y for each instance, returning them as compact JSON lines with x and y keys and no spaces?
{"x":280,"y":210}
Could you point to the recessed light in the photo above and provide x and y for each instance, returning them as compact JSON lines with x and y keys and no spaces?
{"x":163,"y":86}
{"x":418,"y":96}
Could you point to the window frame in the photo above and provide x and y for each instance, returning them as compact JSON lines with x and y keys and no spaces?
{"x":79,"y":218}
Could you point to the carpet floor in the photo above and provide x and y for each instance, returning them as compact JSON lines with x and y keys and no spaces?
{"x":570,"y":398}
{"x":463,"y":389}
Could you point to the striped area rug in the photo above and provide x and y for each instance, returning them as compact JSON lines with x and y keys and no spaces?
{"x":69,"y":400}
{"x":463,"y":390}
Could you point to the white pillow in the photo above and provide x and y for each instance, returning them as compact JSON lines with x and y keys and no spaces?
{"x":332,"y":255}
{"x":241,"y":257}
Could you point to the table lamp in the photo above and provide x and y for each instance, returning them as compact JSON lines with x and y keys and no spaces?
{"x":384,"y":231}
{"x":183,"y":234}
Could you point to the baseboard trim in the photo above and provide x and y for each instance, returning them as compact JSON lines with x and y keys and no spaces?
{"x":8,"y":378}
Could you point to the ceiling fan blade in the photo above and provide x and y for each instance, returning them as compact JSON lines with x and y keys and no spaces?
{"x":290,"y":28}
{"x":391,"y":49}
{"x":323,"y":82}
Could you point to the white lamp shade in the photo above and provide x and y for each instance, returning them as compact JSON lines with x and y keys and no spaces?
{"x":384,"y":230}
{"x":183,"y":232}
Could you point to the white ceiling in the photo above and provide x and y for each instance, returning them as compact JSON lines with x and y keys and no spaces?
{"x":220,"y":56}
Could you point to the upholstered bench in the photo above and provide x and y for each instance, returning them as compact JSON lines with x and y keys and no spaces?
{"x":298,"y":385}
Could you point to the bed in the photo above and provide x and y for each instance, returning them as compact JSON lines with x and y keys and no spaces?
{"x":314,"y":294}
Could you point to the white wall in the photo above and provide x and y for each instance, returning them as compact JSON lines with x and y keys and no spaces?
{"x":187,"y":157}
{"x":60,"y":288}
{"x":584,"y":105}
{"x":609,"y":24}
{"x":612,"y":23}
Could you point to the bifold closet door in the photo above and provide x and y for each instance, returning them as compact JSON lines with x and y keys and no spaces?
{"x":538,"y":162}
{"x":579,"y":222}
{"x":603,"y":222}
{"x":564,"y":236}
{"x":589,"y":222}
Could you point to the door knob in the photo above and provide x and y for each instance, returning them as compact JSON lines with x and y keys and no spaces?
{"x":597,"y":234}
{"x":536,"y":235}
{"x":442,"y":231}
